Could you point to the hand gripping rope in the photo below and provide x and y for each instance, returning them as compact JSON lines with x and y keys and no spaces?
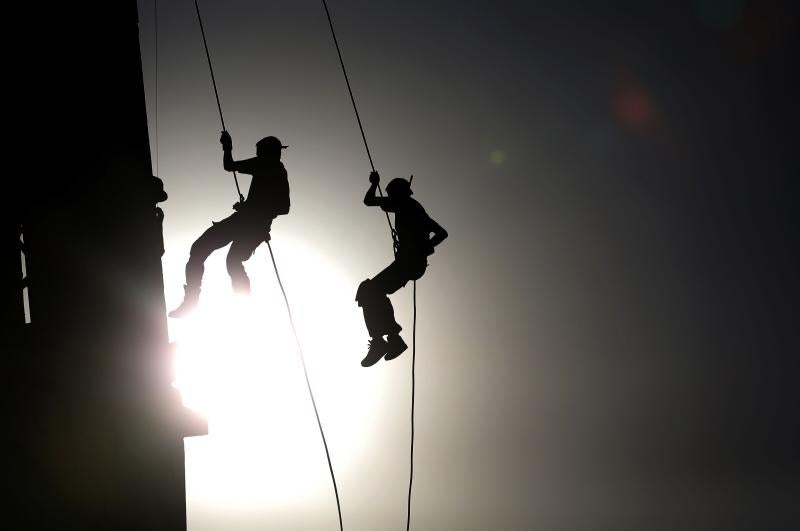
{"x":280,"y":284}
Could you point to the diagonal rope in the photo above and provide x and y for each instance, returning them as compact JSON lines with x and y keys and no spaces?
{"x":358,"y":117}
{"x":413,"y":392}
{"x":308,"y":385}
{"x":280,"y":283}
{"x":216,"y":92}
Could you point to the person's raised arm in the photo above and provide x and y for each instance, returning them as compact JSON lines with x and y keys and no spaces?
{"x":370,"y":199}
{"x":242,"y":166}
{"x":227,"y":149}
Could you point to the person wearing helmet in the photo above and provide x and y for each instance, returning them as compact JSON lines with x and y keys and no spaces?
{"x":246,"y":228}
{"x":417,"y":235}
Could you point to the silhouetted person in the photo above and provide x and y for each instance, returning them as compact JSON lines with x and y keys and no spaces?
{"x":246,"y":228}
{"x":415,"y":243}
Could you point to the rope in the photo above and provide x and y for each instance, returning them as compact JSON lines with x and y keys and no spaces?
{"x":308,"y":385}
{"x":155,"y":76}
{"x":413,"y":392}
{"x":280,"y":284}
{"x":394,"y":247}
{"x":216,"y":92}
{"x":358,"y":117}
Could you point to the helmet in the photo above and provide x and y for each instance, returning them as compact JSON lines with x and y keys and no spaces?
{"x":399,"y":187}
{"x":270,"y":143}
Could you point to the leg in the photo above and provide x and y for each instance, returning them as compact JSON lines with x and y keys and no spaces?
{"x":249,"y":236}
{"x":378,"y":310}
{"x":240,"y":251}
{"x":372,"y":297}
{"x":379,"y":318}
{"x":215,"y":237}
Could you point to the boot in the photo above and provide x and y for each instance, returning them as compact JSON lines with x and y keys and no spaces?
{"x":190,"y":299}
{"x":377,"y":348}
{"x":394,"y":347}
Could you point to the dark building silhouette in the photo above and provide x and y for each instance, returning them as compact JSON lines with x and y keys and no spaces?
{"x":93,"y":427}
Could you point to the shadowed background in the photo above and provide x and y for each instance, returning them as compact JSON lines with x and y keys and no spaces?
{"x":608,"y":338}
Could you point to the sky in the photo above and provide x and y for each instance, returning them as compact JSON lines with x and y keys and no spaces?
{"x":608,"y":338}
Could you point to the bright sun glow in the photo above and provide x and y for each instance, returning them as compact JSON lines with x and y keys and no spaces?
{"x":237,"y":362}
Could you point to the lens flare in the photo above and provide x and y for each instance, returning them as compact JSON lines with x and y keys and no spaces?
{"x":634,"y":107}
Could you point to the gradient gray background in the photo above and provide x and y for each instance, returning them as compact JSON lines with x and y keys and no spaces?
{"x":608,"y":339}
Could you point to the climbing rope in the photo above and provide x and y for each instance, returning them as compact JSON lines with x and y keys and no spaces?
{"x":155,"y":76}
{"x":308,"y":383}
{"x":216,"y":92}
{"x":413,"y":392}
{"x":394,"y":246}
{"x":358,"y":117}
{"x":283,"y":291}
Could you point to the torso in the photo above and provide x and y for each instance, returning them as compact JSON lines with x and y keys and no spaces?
{"x":411,"y":224}
{"x":269,"y":190}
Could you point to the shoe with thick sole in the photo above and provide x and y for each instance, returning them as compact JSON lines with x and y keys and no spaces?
{"x":191,"y":298}
{"x":394,"y":347}
{"x":377,"y":349}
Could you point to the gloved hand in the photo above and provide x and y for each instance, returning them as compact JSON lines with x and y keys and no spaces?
{"x":226,"y":141}
{"x":238,"y":206}
{"x":374,"y":178}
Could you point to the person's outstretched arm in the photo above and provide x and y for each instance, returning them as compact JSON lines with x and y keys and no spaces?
{"x":370,"y":199}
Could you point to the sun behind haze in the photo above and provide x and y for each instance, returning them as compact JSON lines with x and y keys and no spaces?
{"x":238,"y":363}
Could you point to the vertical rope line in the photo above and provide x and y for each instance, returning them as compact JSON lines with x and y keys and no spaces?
{"x":155,"y":75}
{"x":216,"y":92}
{"x":413,"y":393}
{"x":308,"y":385}
{"x":358,"y":117}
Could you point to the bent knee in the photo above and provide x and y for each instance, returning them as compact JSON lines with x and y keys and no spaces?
{"x":198,"y":251}
{"x":364,"y":291}
{"x":234,"y":262}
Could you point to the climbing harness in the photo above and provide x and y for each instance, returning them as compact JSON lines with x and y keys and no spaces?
{"x":394,"y":246}
{"x":283,"y":290}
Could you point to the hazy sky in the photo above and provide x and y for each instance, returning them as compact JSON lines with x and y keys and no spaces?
{"x":608,"y":339}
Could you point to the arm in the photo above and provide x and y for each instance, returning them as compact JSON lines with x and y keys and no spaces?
{"x":370,"y":199}
{"x":439,"y":234}
{"x":227,"y":160}
{"x":241,"y":166}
